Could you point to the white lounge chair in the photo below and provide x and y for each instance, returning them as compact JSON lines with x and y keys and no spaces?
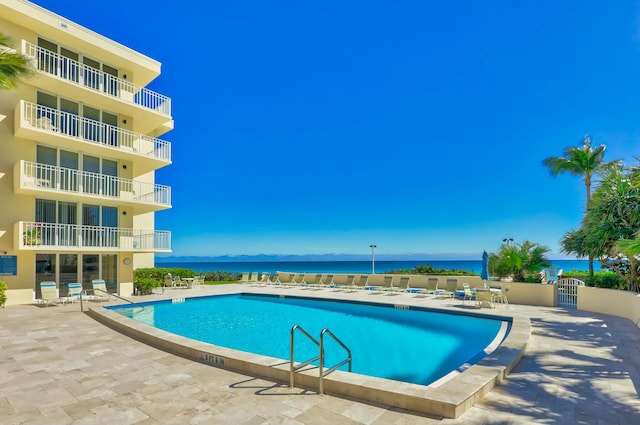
{"x":326,"y":281}
{"x":376,"y":289}
{"x":312,"y":281}
{"x":75,"y":291}
{"x":432,"y":286}
{"x":49,"y":293}
{"x":468,"y":293}
{"x":100,"y":292}
{"x":264,"y":279}
{"x":389,"y":288}
{"x":273,"y":279}
{"x":420,"y":292}
{"x":298,"y":279}
{"x":451,"y":288}
{"x":285,"y":279}
{"x":348,"y":283}
{"x":361,"y":282}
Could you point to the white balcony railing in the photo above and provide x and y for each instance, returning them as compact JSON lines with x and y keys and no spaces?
{"x":77,"y":73}
{"x":74,"y":236}
{"x":60,"y":179}
{"x":71,"y":125}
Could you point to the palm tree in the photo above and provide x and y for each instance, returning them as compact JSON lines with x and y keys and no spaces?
{"x":519,"y":259}
{"x":582,"y":161}
{"x":13,"y":66}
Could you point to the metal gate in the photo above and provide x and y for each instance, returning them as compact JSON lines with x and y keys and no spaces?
{"x":567,"y":290}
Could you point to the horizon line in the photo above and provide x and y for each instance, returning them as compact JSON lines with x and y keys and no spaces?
{"x":334,"y":257}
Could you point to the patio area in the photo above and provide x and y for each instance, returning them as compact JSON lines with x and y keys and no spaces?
{"x":61,"y":366}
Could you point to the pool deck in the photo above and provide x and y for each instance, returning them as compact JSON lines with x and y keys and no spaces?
{"x":61,"y":366}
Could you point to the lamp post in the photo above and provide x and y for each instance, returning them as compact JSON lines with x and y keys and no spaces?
{"x":507,"y":241}
{"x":373,"y":258}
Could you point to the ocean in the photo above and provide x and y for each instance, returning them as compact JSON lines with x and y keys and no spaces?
{"x":350,"y":266}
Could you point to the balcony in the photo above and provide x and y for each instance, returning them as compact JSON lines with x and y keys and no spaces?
{"x":74,"y":237}
{"x":79,"y":74}
{"x":73,"y":184}
{"x":38,"y":122}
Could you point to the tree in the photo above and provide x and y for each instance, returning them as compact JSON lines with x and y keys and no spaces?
{"x":613,"y":219}
{"x":13,"y":66}
{"x":519,"y":259}
{"x":582,"y":161}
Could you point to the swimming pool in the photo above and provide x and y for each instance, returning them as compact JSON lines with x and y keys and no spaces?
{"x":410,"y":345}
{"x":447,"y":397}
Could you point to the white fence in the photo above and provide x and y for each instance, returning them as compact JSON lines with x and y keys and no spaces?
{"x":568,"y":292}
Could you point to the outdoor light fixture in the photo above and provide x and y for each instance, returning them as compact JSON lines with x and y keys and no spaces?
{"x":507,"y":241}
{"x":373,"y":258}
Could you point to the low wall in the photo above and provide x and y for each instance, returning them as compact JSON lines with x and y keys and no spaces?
{"x":532,"y":294}
{"x":125,"y":289}
{"x":518,"y":293}
{"x":19,"y":296}
{"x":610,"y":301}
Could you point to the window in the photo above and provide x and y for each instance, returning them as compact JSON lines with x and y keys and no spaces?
{"x":76,"y":119}
{"x":91,"y":177}
{"x":68,"y":265}
{"x":110,"y":271}
{"x":102,"y":225}
{"x":72,"y":66}
{"x":71,"y":268}
{"x":100,"y":177}
{"x":45,"y":270}
{"x":69,"y":171}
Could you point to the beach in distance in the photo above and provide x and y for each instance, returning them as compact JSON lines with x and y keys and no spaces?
{"x":472,"y":266}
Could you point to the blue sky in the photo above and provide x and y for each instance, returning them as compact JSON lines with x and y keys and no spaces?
{"x":420,"y":126}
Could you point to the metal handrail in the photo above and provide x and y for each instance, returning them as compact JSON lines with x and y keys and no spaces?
{"x":293,"y":368}
{"x":331,"y":369}
{"x":320,"y":357}
{"x":113,"y":295}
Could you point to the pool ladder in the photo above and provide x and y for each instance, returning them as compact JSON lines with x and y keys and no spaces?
{"x":320,"y":357}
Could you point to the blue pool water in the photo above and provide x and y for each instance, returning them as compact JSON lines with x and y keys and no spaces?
{"x":410,"y":345}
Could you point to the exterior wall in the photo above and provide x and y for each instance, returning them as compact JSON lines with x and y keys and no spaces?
{"x":532,"y":294}
{"x":610,"y":301}
{"x":25,"y":23}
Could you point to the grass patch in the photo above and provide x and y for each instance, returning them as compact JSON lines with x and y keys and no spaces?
{"x":221,"y":282}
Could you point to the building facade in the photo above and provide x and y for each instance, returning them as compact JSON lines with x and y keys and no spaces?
{"x":79,"y":146}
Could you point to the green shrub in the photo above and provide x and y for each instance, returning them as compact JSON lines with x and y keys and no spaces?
{"x":144,"y":285}
{"x":533,"y":278}
{"x":159,"y":273}
{"x":574,"y":273}
{"x":146,"y":279}
{"x":220,"y":275}
{"x":606,"y":280}
{"x":3,"y":293}
{"x":430,"y":270}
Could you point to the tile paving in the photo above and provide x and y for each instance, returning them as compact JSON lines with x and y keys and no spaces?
{"x":59,"y":366}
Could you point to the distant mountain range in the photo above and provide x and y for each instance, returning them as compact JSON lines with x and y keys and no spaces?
{"x":312,"y":257}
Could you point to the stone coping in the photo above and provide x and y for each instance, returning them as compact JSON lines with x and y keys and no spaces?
{"x":448,"y":397}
